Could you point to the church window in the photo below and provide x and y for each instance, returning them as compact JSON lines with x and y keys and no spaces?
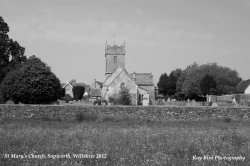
{"x":115,"y":59}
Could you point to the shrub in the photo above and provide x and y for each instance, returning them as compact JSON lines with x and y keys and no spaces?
{"x":125,"y":97}
{"x":111,"y":100}
{"x":237,"y":98}
{"x":62,"y":93}
{"x":78,"y":92}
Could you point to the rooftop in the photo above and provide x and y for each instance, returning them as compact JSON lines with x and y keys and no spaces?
{"x":142,"y":78}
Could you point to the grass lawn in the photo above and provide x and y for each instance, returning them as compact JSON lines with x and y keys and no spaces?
{"x":115,"y":143}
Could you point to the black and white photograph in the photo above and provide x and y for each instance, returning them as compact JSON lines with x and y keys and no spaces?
{"x":124,"y":82}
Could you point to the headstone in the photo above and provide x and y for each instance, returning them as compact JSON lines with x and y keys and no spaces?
{"x":188,"y":102}
{"x":214,"y":105}
{"x":9,"y":102}
{"x":193,"y":103}
{"x":145,"y":100}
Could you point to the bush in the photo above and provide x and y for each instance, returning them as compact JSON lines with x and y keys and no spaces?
{"x":78,"y":92}
{"x":62,"y":93}
{"x":32,"y":83}
{"x":125,"y":97}
{"x":111,"y":100}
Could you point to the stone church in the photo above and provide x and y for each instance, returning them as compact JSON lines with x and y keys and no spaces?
{"x":141,"y":86}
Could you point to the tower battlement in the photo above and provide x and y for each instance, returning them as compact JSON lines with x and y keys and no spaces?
{"x":114,"y":49}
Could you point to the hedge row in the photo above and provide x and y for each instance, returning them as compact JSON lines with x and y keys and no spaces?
{"x":151,"y":113}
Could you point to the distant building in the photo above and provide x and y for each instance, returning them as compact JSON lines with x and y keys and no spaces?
{"x":68,"y":86}
{"x":96,"y":84}
{"x":95,"y":90}
{"x":141,"y":85}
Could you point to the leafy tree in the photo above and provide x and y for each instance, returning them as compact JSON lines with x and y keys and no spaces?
{"x":172,"y":80}
{"x":190,"y":79}
{"x":11,"y":53}
{"x":78,"y":92}
{"x":207,"y":85}
{"x":125,"y":97}
{"x":32,"y":83}
{"x":162,"y":84}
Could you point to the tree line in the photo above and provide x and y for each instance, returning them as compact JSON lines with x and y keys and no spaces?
{"x":197,"y":81}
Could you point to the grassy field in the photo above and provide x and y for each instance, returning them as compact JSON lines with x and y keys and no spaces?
{"x":117,"y":143}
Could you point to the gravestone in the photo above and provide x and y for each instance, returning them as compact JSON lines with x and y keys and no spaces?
{"x":145,"y":100}
{"x":214,"y":105}
{"x":9,"y":102}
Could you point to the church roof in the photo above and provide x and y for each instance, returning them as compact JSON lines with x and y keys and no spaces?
{"x":113,"y":76}
{"x":243,"y":86}
{"x":99,"y":83}
{"x":142,"y":78}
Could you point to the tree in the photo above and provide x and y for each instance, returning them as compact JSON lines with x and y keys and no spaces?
{"x":162,"y":84}
{"x":11,"y":53}
{"x":32,"y":83}
{"x":171,"y":82}
{"x":62,"y":92}
{"x":190,"y":79}
{"x":207,"y":85}
{"x":78,"y":92}
{"x":125,"y":97}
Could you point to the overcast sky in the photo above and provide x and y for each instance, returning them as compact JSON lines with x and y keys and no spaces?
{"x":160,"y":35}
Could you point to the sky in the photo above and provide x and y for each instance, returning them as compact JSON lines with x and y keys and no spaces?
{"x":160,"y":35}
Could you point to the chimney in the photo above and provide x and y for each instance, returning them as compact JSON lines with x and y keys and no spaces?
{"x":95,"y":83}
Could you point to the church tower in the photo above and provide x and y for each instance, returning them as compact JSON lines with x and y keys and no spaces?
{"x":115,"y":57}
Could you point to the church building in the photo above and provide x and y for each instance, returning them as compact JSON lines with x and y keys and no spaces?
{"x":140,"y":85}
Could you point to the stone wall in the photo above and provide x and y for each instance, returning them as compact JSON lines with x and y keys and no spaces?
{"x":151,"y":113}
